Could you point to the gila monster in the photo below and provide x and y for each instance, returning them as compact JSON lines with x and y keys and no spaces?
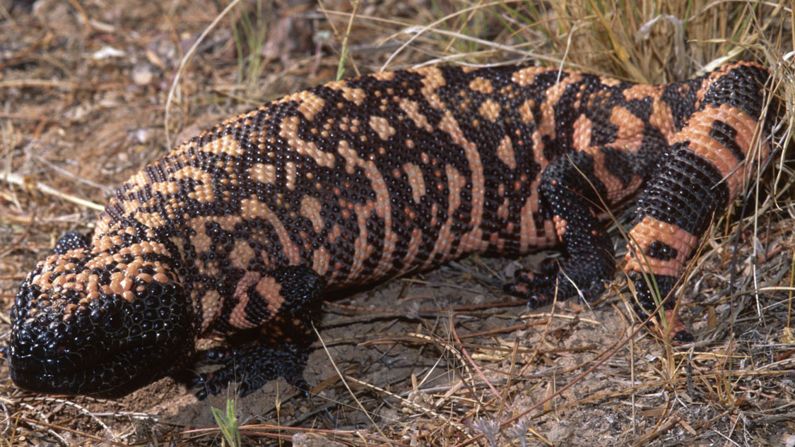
{"x":245,"y":227}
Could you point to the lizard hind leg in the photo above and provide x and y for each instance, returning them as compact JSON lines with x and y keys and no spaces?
{"x":570,"y":193}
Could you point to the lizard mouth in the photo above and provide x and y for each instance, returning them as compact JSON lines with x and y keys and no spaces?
{"x":108,"y":375}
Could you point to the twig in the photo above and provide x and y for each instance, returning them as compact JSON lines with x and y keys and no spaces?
{"x":19,"y":180}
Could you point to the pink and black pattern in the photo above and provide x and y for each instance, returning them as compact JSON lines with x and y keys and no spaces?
{"x":244,"y":228}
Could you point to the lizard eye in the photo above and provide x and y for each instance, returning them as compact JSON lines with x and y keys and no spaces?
{"x":114,"y":320}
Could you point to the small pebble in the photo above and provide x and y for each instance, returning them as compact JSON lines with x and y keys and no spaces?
{"x":142,"y":74}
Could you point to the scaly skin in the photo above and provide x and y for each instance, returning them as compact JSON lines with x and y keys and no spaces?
{"x":246,"y":226}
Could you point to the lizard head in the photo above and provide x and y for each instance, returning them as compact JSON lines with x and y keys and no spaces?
{"x":101,"y":318}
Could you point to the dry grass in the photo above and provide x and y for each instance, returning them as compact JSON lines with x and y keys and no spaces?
{"x":441,"y":359}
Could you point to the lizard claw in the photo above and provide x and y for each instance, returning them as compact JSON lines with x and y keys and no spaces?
{"x":252,"y":367}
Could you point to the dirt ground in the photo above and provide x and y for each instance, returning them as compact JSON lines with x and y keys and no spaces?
{"x":442,"y":358}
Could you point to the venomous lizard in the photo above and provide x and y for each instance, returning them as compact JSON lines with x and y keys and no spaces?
{"x":245,"y":227}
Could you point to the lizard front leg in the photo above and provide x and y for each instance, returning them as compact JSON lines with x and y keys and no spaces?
{"x":265,"y":304}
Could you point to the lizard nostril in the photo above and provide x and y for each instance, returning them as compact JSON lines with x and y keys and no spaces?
{"x":96,"y":315}
{"x":114,"y":320}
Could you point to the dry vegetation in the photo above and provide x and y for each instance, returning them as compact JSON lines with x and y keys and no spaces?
{"x":437,"y":359}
